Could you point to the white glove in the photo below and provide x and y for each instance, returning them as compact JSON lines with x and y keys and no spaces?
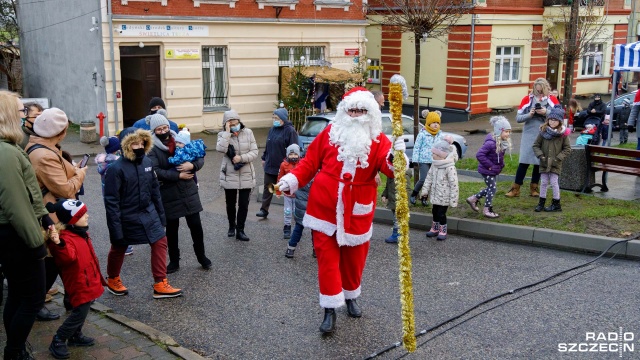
{"x":398,"y":144}
{"x":283,"y":186}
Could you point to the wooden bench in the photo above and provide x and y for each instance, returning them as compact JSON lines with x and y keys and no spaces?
{"x":610,"y":159}
{"x":501,"y":109}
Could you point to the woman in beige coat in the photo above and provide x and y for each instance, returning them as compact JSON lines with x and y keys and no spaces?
{"x":56,"y":175}
{"x":237,"y":174}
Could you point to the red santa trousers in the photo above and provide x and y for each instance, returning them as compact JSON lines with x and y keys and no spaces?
{"x":339,"y":269}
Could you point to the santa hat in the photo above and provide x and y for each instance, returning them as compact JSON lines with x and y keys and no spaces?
{"x":359,"y":98}
{"x":183,"y":137}
{"x":68,"y":211}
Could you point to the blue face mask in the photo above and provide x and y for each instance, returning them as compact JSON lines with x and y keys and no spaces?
{"x":235,"y":128}
{"x":276,"y":123}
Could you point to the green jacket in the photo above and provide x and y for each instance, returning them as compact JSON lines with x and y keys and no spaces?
{"x":20,"y":195}
{"x":552,"y":152}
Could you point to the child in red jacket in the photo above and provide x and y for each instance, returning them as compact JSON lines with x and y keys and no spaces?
{"x":73,"y":253}
{"x":289,"y":163}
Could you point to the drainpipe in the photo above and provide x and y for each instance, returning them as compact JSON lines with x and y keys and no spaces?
{"x":113,"y":70}
{"x":473,"y":33}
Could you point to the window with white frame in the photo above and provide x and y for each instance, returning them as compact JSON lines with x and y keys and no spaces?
{"x":592,"y":61}
{"x":508,"y":62}
{"x":292,"y":55}
{"x":214,"y":76}
{"x":374,"y":71}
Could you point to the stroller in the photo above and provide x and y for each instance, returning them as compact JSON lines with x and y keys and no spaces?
{"x":595,"y":121}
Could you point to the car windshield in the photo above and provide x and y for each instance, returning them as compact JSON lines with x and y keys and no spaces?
{"x":618,"y":100}
{"x":313,"y":127}
{"x":407,"y":125}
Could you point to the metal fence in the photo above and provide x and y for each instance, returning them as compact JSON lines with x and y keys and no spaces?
{"x":299,"y":116}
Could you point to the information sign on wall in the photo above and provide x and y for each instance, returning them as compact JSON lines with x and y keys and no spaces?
{"x":143,"y":30}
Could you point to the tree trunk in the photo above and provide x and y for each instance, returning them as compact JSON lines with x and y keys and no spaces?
{"x":416,"y":99}
{"x":571,"y":38}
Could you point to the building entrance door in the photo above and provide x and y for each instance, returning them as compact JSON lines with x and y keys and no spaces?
{"x":140,"y":73}
{"x":553,"y":65}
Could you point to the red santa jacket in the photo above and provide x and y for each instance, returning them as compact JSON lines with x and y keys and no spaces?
{"x":79,"y":267}
{"x":343,"y":198}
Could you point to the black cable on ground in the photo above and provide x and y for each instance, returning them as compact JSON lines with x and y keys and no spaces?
{"x":426,"y":331}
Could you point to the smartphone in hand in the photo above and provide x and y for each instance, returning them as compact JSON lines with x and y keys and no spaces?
{"x":84,"y":160}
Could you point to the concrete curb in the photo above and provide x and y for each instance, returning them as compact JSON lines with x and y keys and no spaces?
{"x":151,"y":333}
{"x":562,"y":240}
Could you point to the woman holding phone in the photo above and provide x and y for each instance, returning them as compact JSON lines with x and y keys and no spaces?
{"x":57,"y":176}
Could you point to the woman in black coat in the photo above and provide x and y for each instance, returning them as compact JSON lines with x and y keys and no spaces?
{"x":179,"y":192}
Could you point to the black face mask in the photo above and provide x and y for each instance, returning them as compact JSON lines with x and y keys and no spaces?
{"x":293,"y":160}
{"x":139,"y":153}
{"x":164,"y":136}
{"x":80,"y":230}
{"x":151,"y":112}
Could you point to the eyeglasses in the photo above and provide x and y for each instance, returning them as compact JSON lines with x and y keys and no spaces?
{"x":24,"y":110}
{"x":357,"y":111}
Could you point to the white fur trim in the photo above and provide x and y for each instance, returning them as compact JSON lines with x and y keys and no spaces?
{"x":355,"y":240}
{"x":352,"y":294}
{"x":316,"y":224}
{"x":292,"y":181}
{"x":332,"y":301}
{"x":362,"y":209}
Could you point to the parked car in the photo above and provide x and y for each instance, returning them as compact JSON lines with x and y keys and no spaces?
{"x":617,"y":105}
{"x":316,"y":123}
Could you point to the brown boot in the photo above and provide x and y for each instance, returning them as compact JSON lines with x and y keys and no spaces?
{"x":514,"y":191}
{"x":534,"y":190}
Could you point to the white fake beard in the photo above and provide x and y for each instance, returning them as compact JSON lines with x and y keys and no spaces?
{"x":353,"y":137}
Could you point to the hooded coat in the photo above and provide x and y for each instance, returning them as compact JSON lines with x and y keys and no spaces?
{"x":244,"y":145}
{"x":179,"y":197}
{"x":79,"y":267}
{"x":278,"y":139}
{"x":441,"y":183}
{"x":135,"y":214}
{"x":490,"y":162}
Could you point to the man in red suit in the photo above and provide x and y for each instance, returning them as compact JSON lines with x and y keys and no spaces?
{"x":344,"y":159}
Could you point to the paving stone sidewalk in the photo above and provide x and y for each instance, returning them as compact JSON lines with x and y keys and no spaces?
{"x":114,"y":340}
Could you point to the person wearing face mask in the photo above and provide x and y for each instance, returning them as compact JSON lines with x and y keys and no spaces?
{"x":35,"y":109}
{"x":180,"y":196}
{"x":280,"y":136}
{"x":289,"y":163}
{"x":135,"y":214}
{"x":237,"y":174}
{"x":156,"y":105}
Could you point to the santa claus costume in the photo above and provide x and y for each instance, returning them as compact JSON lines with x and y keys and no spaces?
{"x":344,"y":159}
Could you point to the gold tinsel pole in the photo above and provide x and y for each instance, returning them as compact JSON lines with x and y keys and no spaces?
{"x":398,"y":92}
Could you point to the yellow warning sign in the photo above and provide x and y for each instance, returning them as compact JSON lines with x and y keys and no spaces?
{"x":168,"y":54}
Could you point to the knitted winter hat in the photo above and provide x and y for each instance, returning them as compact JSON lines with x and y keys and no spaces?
{"x":293,"y":148}
{"x":68,"y":211}
{"x":155,"y":102}
{"x":111,"y":144}
{"x":230,"y":115}
{"x":441,"y":148}
{"x":557,"y":114}
{"x":431,"y":116}
{"x":183,"y":137}
{"x":499,"y":123}
{"x":156,"y":120}
{"x":50,"y":123}
{"x":282,"y":113}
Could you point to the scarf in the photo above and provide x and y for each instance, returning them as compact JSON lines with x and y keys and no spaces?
{"x":548,"y":133}
{"x":432,"y":131}
{"x":168,"y":146}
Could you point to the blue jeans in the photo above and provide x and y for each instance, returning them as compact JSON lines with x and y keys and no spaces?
{"x":296,"y":235}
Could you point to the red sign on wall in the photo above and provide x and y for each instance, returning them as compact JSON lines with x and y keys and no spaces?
{"x":351,"y":52}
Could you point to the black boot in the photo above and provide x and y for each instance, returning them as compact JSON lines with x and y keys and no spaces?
{"x":80,"y":340}
{"x":540,"y":205}
{"x":555,"y":206}
{"x":232,"y":231}
{"x":204,"y":262}
{"x":287,"y":231}
{"x":173,"y":267}
{"x":353,"y":309}
{"x":58,"y":348}
{"x":45,"y":315}
{"x":240,"y":235}
{"x":328,"y":325}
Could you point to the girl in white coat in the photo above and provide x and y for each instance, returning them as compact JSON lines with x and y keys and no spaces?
{"x":441,"y":185}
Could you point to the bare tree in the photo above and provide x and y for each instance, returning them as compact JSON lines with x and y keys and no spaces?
{"x":576,"y":30}
{"x":423,"y":19}
{"x":9,"y":49}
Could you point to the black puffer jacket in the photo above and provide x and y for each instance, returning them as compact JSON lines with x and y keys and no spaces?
{"x":278,"y":139}
{"x":132,"y":196}
{"x":179,"y":197}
